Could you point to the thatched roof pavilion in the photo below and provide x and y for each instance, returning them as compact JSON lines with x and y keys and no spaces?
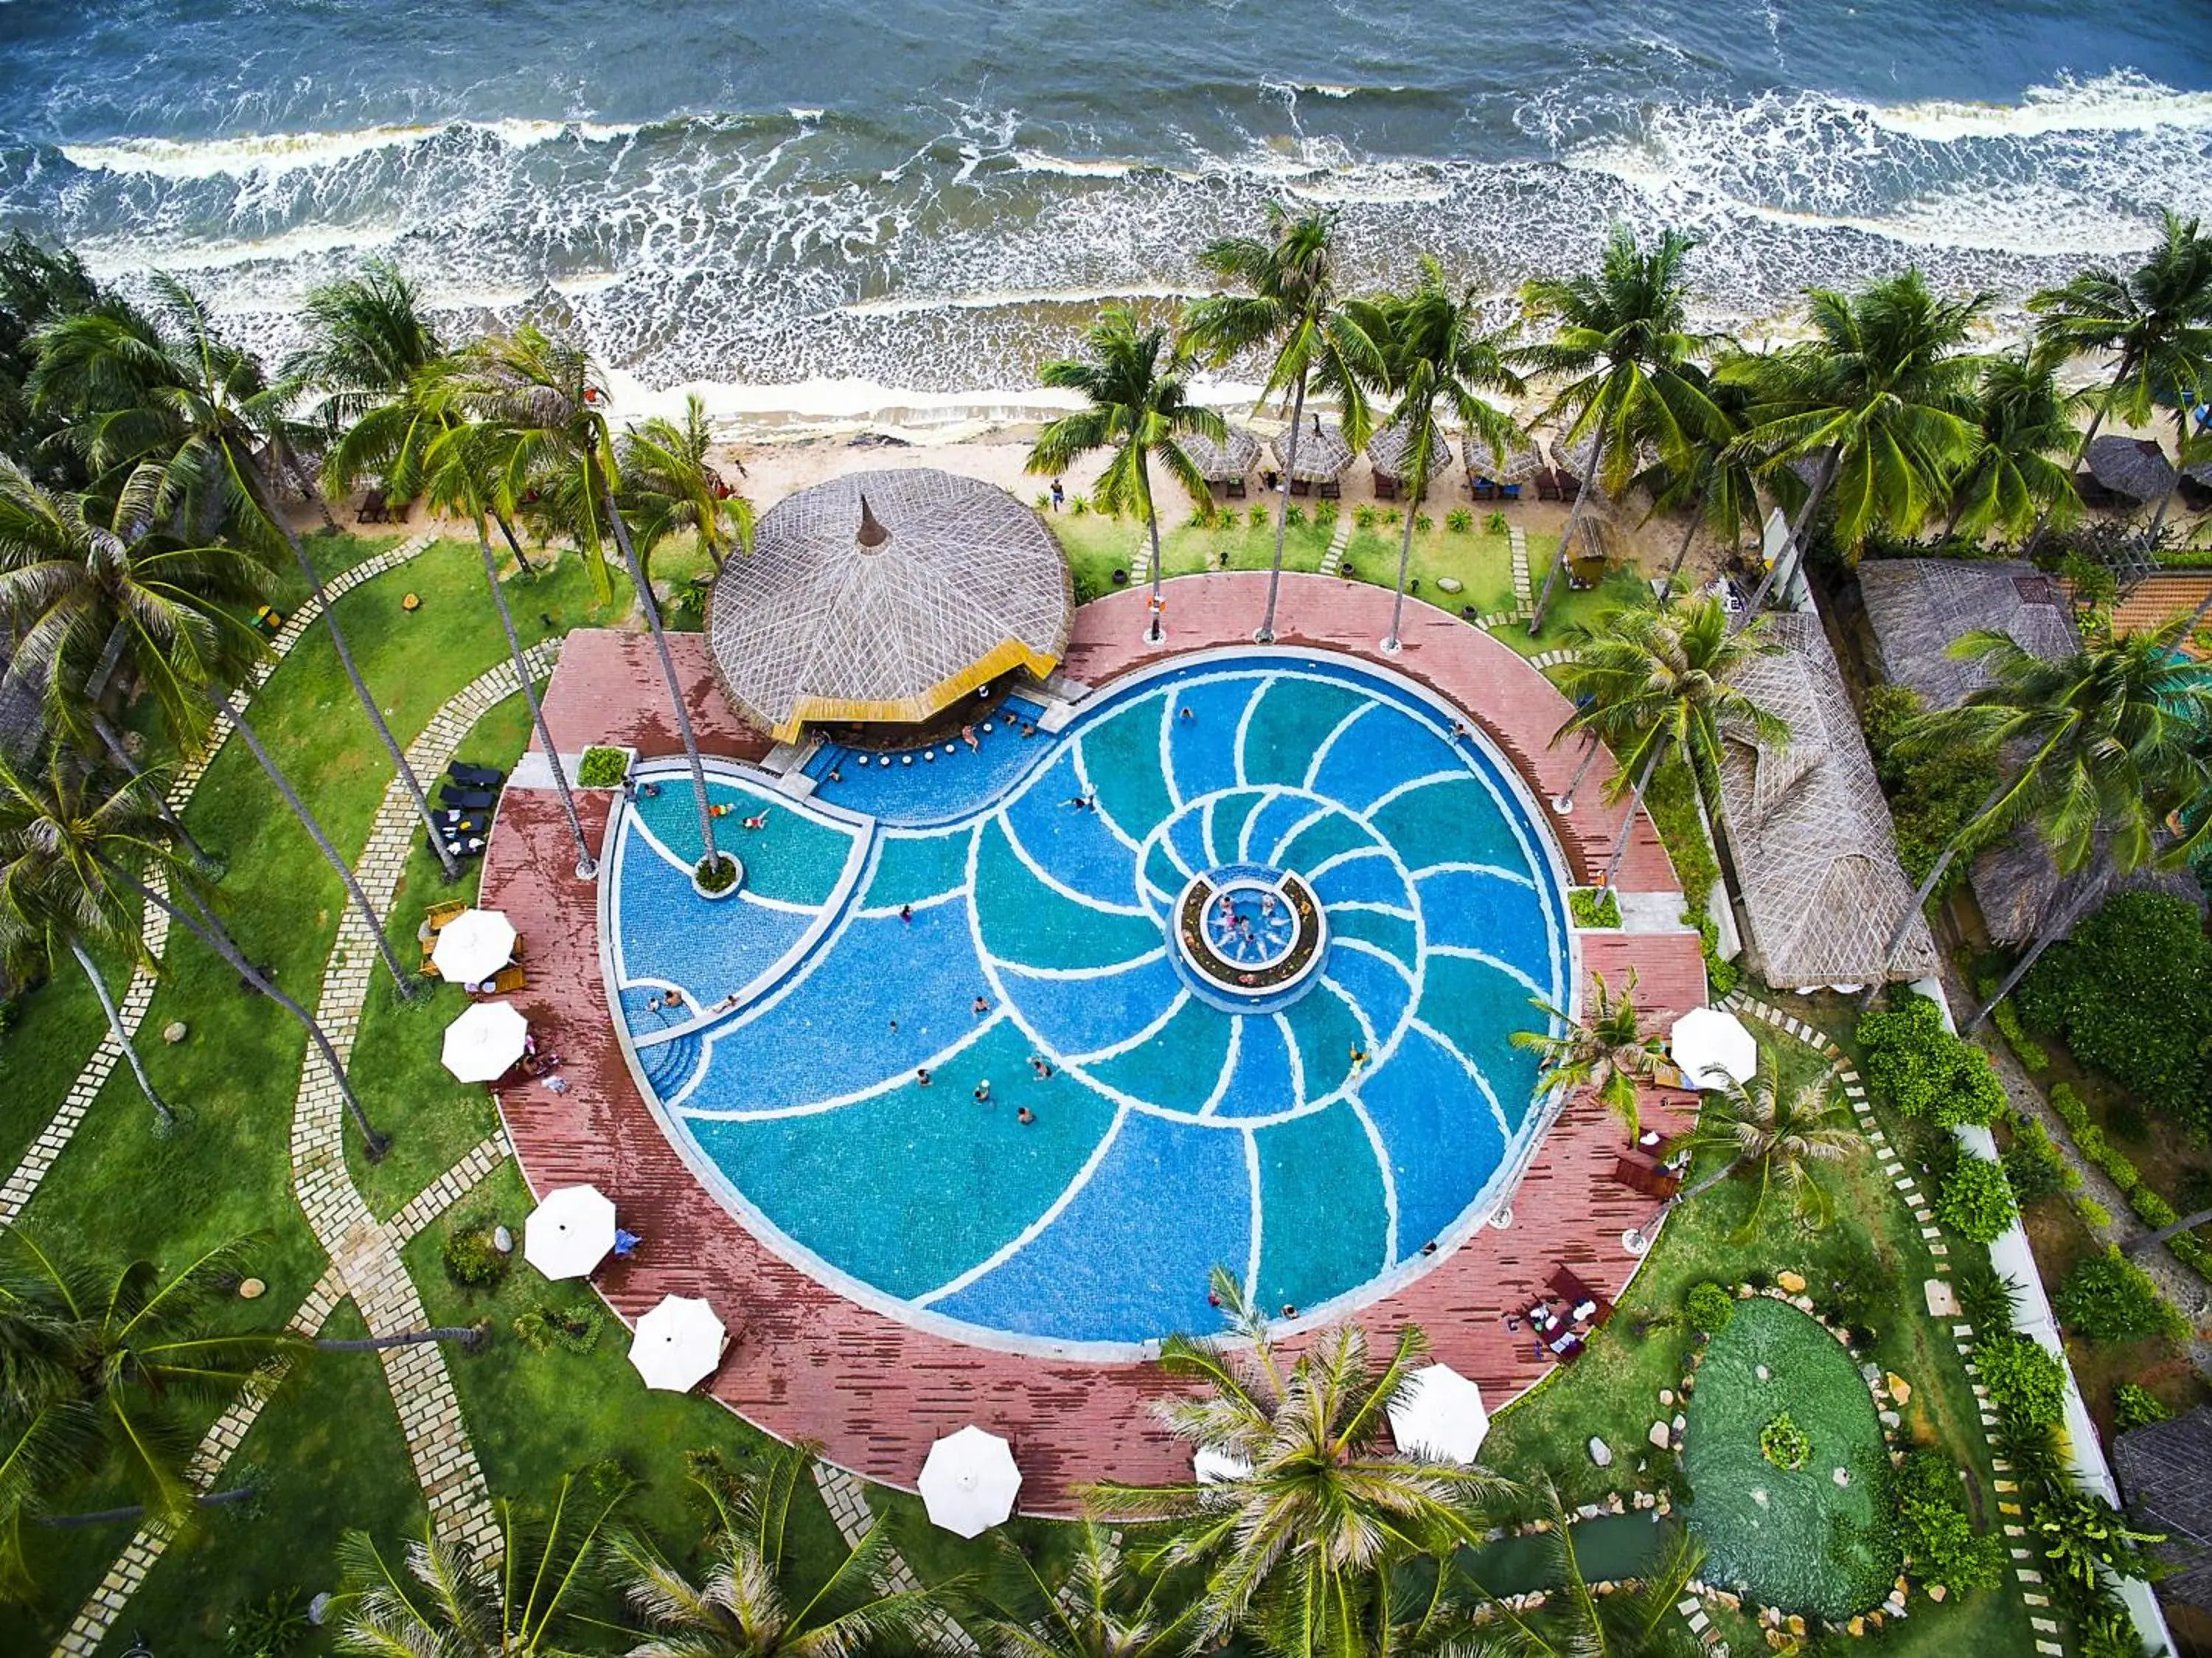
{"x":2134,"y":466}
{"x":2165,"y":1479}
{"x":1391,"y":451}
{"x":1523,"y":461}
{"x":885,"y":596}
{"x":1224,"y":462}
{"x":1322,"y":453}
{"x":1815,"y":852}
{"x":1917,"y":608}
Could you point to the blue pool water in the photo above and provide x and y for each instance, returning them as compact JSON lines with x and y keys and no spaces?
{"x":1313,"y":1149}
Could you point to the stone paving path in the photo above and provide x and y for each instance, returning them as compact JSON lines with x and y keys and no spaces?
{"x":1332,"y":560}
{"x":847,"y":1497}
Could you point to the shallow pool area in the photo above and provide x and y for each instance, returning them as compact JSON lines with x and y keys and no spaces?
{"x":1333,"y":1101}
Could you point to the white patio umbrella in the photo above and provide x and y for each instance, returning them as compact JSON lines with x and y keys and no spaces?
{"x":1711,"y":1049}
{"x":678,"y":1344}
{"x":485,"y":1041}
{"x":1438,"y":1414}
{"x":473,"y":946}
{"x":1212,"y":1467}
{"x":969,"y":1482}
{"x":570,"y":1233}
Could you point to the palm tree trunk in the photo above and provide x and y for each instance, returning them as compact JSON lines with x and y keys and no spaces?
{"x":1681,"y":554}
{"x":1566,"y":802}
{"x":1796,"y":534}
{"x":213,"y":934}
{"x":122,"y":1037}
{"x":112,"y":742}
{"x":1392,"y":645}
{"x":306,"y":486}
{"x":1567,"y":535}
{"x":2051,"y":933}
{"x":284,"y":786}
{"x":586,"y":865}
{"x":2186,"y":1223}
{"x":1266,"y":635}
{"x":1157,"y":629}
{"x":406,"y":772}
{"x":514,"y":546}
{"x":1628,"y":825}
{"x":1927,"y":889}
{"x":2089,"y":436}
{"x":712,"y":857}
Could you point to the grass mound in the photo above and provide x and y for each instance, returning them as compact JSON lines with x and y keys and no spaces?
{"x":1790,"y":1536}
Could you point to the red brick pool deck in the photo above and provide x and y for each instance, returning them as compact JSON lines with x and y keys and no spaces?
{"x":806,"y":1363}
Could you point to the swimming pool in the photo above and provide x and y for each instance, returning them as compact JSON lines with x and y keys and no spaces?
{"x":1267,"y":919}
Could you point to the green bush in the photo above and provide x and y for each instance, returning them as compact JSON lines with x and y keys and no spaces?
{"x":2092,"y":1213}
{"x":1985,"y":1298}
{"x":1390,"y":518}
{"x":602,"y":768}
{"x":1784,"y":1444}
{"x":2135,"y":1406}
{"x":1363,"y":515}
{"x":1459,"y":520}
{"x":2035,"y":1166}
{"x":1496,"y":524}
{"x":1294,"y":515}
{"x":1930,"y":1528}
{"x":2029,"y":1050}
{"x":2024,"y":1381}
{"x":2130,"y":994}
{"x":269,"y":1628}
{"x":1595,"y":906}
{"x":472,"y":1260}
{"x":2108,"y":1297}
{"x":1672,"y":800}
{"x":1709,"y":1306}
{"x":543,"y":1328}
{"x":1924,"y":1071}
{"x":1931,"y":793}
{"x":718,"y":876}
{"x":1256,"y":517}
{"x":1976,"y":1201}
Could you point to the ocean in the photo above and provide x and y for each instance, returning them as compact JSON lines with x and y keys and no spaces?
{"x":824,"y":206}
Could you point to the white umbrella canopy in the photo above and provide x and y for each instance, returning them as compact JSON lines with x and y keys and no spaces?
{"x":1438,"y":1414}
{"x":1711,"y":1049}
{"x":969,"y":1482}
{"x":678,"y":1344}
{"x":473,"y":946}
{"x":1210,"y":1466}
{"x":570,"y":1233}
{"x":485,"y":1041}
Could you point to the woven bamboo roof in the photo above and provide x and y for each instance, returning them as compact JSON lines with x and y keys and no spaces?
{"x":1523,"y":461}
{"x":1815,"y":852}
{"x":2135,"y":466}
{"x":1391,"y":451}
{"x":1917,"y":607}
{"x":887,"y":612}
{"x":1322,"y":453}
{"x":2166,"y":1477}
{"x":1222,"y":463}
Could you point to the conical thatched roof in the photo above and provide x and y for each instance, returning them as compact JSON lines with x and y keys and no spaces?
{"x":1223,"y":463}
{"x":1322,"y":453}
{"x":885,"y":596}
{"x":1523,"y":461}
{"x":2134,"y":466}
{"x":1392,"y":453}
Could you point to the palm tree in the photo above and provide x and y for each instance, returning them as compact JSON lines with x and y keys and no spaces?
{"x":668,"y":486}
{"x":1605,"y":1052}
{"x":2009,"y":484}
{"x":1654,"y":683}
{"x":199,"y":406}
{"x":1781,"y":1134}
{"x":100,"y":1369}
{"x":1134,"y":382}
{"x":1575,"y":1621}
{"x":1295,"y":306}
{"x":446,"y":1599}
{"x":757,"y":1601}
{"x":544,"y":410}
{"x":1434,"y":348}
{"x":1102,"y":1608}
{"x":1326,"y":1510}
{"x":1712,"y":484}
{"x":1621,"y":341}
{"x":1881,"y":399}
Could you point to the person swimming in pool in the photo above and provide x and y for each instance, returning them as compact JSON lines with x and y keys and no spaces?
{"x":967,"y":736}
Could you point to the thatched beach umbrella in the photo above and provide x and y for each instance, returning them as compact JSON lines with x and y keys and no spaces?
{"x":2134,"y":466}
{"x":1222,"y":463}
{"x":885,"y":596}
{"x":1522,"y":461}
{"x":1391,"y":451}
{"x":1322,"y":453}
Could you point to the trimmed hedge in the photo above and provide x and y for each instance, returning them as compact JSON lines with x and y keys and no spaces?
{"x":1921,"y":1070}
{"x":2151,"y":1208}
{"x":1976,"y":1201}
{"x":2025,"y":1383}
{"x":2109,"y":1298}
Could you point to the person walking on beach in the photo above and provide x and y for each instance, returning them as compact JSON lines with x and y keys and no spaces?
{"x":1058,"y":494}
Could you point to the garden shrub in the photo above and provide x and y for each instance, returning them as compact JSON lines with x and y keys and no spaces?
{"x":2092,"y":1213}
{"x":1709,"y":1306}
{"x":2109,"y":1298}
{"x":543,"y":1328}
{"x":1256,"y":516}
{"x":1459,"y":520}
{"x":1364,"y":516}
{"x":1930,"y":1528}
{"x":2026,"y":1048}
{"x":1294,"y":515}
{"x":602,"y":768}
{"x":1976,"y":1201}
{"x":1931,"y":793}
{"x":2034,"y":1166}
{"x":2137,"y":1406}
{"x":2024,"y":1382}
{"x":2130,"y":994}
{"x":1782,"y":1442}
{"x":1985,"y":1298}
{"x":1595,"y":906}
{"x":472,"y":1260}
{"x":1672,"y":800}
{"x":271,"y":1627}
{"x":1924,"y":1071}
{"x":1496,"y":524}
{"x":718,"y":876}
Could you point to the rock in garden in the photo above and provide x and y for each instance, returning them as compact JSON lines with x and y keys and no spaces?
{"x":251,"y":1289}
{"x":1890,"y":1419}
{"x":318,"y":1608}
{"x":1761,"y":1372}
{"x":1792,"y":1281}
{"x":174,"y":1031}
{"x":1659,"y":1436}
{"x":1842,"y":1475}
{"x":1942,"y":1300}
{"x":1759,"y":1495}
{"x":1936,"y":1592}
{"x":1899,"y":1388}
{"x":1599,"y":1451}
{"x":1666,"y":1395}
{"x":503,"y":1241}
{"x":1449,"y":584}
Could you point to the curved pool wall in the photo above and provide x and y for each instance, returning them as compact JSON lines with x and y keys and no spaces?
{"x":1163,"y":1141}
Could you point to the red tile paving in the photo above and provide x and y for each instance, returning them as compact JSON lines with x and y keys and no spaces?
{"x":875,"y":1391}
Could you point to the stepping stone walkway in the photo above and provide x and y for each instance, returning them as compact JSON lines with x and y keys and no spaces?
{"x":1332,"y":561}
{"x":846,"y":1498}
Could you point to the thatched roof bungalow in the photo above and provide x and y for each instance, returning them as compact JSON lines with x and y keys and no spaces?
{"x":2166,"y":1477}
{"x":1391,"y":451}
{"x":1323,"y":456}
{"x":1224,"y":462}
{"x":1918,"y":608}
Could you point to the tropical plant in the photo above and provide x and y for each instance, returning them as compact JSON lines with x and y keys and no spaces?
{"x":1925,"y":1514}
{"x":1918,"y":1067}
{"x":1435,"y":349}
{"x":2108,"y":1297}
{"x":1303,"y":1539}
{"x":1575,"y":1621}
{"x":1605,"y":1052}
{"x":1784,"y":1444}
{"x":1709,"y":1307}
{"x":1622,"y":345}
{"x":1976,"y":1200}
{"x":1712,"y":482}
{"x":1653,"y":682}
{"x":2025,"y":1383}
{"x":1294,"y":307}
{"x":1102,"y":1607}
{"x":1780,"y":1134}
{"x":37,"y":285}
{"x":2083,"y":1537}
{"x":670,"y":488}
{"x":2135,"y":1406}
{"x":1135,"y":384}
{"x":2009,"y":484}
{"x":444,"y":1598}
{"x":105,"y":1369}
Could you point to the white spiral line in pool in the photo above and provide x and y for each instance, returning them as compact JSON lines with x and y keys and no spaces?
{"x":1259,"y":1215}
{"x":1344,"y":857}
{"x":1105,"y":906}
{"x":1359,"y":1013}
{"x":1268,"y":796}
{"x":1347,"y":942}
{"x":1373,"y":906}
{"x":873,"y":1091}
{"x":1381,"y":1154}
{"x":1206,"y":828}
{"x":1111,"y":969}
{"x":1244,"y":722}
{"x":1115,"y":1050}
{"x":1084,"y":784}
{"x":1468,"y":953}
{"x":1519,"y":878}
{"x":1321,"y":754}
{"x":1283,"y":842}
{"x":1297,"y":1062}
{"x":1481,"y":1082}
{"x":1167,"y":755}
{"x":1458,"y":774}
{"x":1228,"y":1069}
{"x":917,"y":904}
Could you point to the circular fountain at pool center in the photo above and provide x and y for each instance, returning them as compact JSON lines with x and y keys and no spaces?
{"x":1248,"y":939}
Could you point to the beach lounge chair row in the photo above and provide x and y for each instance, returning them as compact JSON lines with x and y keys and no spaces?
{"x":376,"y":508}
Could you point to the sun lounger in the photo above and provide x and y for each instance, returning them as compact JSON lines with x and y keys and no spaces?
{"x":1236,"y":490}
{"x":1547,"y":485}
{"x":1385,"y":487}
{"x":468,"y":800}
{"x":1481,"y":488}
{"x":475,"y":777}
{"x":1509,"y":491}
{"x":1571,"y":1288}
{"x":509,"y":979}
{"x":471,"y":846}
{"x":440,"y":914}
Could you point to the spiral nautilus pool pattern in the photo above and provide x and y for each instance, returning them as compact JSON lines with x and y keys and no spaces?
{"x":989,"y":915}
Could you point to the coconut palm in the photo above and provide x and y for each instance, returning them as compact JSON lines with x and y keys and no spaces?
{"x":37,"y":284}
{"x":1622,"y":344}
{"x":1605,"y":1052}
{"x":543,"y":410}
{"x":669,"y":489}
{"x":1637,"y":1621}
{"x":1135,"y":382}
{"x":107,"y":1370}
{"x":172,"y":391}
{"x":1434,"y":350}
{"x":442,"y":1598}
{"x":1781,"y":1134}
{"x":1712,"y":484}
{"x":1654,"y":682}
{"x":1880,"y":400}
{"x":756,"y":1600}
{"x":1102,"y":1608}
{"x":2009,"y":484}
{"x":1295,"y":308}
{"x":1306,"y":1537}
